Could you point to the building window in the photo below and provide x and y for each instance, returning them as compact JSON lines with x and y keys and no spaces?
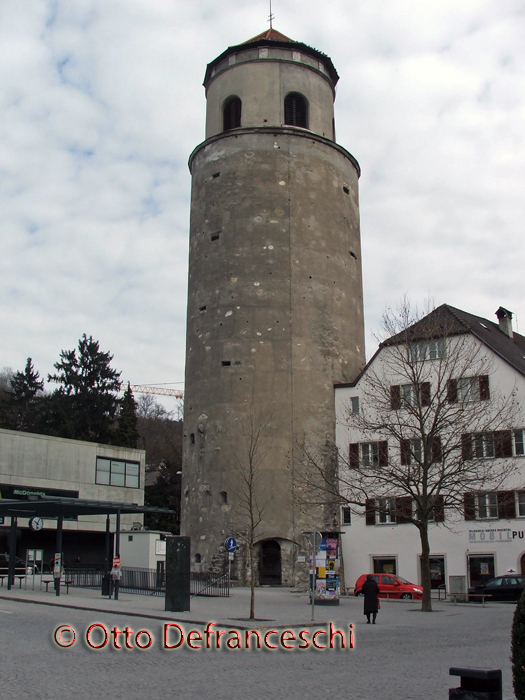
{"x":384,"y":565}
{"x":354,"y":404}
{"x":521,"y":503}
{"x":468,"y":389}
{"x":428,"y":350}
{"x":504,"y":505}
{"x":412,"y":451}
{"x":346,"y":515}
{"x":518,"y":443}
{"x":296,"y":110}
{"x":381,"y":511}
{"x":116,"y":472}
{"x":436,"y":512}
{"x":231,"y":114}
{"x":385,"y":511}
{"x":483,"y":444}
{"x":499,"y":444}
{"x":487,"y":505}
{"x":368,"y":454}
{"x":409,"y":395}
{"x":223,"y":496}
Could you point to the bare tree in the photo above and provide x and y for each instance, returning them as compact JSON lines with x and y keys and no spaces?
{"x":160,"y":434}
{"x":427,"y":421}
{"x":249,"y":500}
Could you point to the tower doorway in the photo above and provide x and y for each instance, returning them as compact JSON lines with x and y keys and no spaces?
{"x":270,"y":563}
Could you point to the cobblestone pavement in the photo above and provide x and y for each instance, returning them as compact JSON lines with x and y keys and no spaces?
{"x":405,"y":656}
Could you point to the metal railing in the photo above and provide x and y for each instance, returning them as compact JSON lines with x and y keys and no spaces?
{"x":150,"y":581}
{"x":205,"y":583}
{"x":84,"y":577}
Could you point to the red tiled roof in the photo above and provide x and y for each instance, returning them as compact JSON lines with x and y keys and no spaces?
{"x":271,"y":35}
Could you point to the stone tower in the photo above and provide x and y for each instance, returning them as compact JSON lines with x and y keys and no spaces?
{"x":275,"y":305}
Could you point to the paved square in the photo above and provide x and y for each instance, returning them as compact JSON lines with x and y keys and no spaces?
{"x":406,"y":656}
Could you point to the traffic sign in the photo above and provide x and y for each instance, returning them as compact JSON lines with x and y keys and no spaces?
{"x":231,"y":544}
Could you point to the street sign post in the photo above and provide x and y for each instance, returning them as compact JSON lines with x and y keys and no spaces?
{"x":315,"y":542}
{"x":231,"y":546}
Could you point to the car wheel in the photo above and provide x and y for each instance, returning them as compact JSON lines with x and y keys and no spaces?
{"x":406,"y":596}
{"x":359,"y":595}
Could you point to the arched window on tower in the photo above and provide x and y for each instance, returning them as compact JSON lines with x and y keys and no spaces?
{"x":231,"y":114}
{"x":296,"y":110}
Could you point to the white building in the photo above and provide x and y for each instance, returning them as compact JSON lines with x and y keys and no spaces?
{"x":484,"y":535}
{"x":33,"y":465}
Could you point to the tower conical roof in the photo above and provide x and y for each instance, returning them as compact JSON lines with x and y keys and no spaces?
{"x":271,"y":35}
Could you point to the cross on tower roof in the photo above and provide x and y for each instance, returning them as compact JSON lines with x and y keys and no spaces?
{"x":271,"y":16}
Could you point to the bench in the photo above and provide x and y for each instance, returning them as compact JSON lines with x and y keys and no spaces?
{"x":66,"y":583}
{"x":467,"y":596}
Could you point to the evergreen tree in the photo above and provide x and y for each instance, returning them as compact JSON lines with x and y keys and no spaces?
{"x":127,"y":432}
{"x":164,"y":493}
{"x":87,"y":399}
{"x":518,"y":649}
{"x":21,"y":404}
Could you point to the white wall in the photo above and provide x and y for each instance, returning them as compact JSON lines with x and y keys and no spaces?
{"x":137,"y":549}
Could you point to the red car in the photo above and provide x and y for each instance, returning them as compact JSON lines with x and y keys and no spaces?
{"x":391,"y":586}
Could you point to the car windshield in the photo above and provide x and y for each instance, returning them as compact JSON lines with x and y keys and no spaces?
{"x":403,"y":580}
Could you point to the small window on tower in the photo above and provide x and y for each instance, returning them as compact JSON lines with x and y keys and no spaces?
{"x":231,"y":114}
{"x":296,"y":110}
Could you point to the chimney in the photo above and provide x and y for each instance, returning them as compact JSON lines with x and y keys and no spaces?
{"x":505,"y":321}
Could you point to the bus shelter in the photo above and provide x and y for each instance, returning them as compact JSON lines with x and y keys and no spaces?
{"x":53,"y":507}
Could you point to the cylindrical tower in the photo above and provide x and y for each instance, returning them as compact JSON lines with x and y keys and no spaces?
{"x":275,"y":305}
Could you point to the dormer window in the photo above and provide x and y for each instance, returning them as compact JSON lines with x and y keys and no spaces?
{"x":231,"y":114}
{"x":296,"y":110}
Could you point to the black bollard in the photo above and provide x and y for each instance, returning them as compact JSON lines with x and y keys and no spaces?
{"x":177,"y":574}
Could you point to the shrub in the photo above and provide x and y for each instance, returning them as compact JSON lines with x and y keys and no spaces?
{"x":518,"y":649}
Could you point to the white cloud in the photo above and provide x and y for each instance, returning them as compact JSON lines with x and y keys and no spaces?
{"x":102,"y":103}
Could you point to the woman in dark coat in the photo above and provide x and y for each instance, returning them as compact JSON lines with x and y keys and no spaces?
{"x":370,"y":591}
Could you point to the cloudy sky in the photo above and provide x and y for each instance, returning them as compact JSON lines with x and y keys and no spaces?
{"x":102,"y":102}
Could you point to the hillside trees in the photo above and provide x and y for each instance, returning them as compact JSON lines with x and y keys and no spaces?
{"x":127,"y":434}
{"x":161,"y":436}
{"x":84,"y":406}
{"x":20,"y":399}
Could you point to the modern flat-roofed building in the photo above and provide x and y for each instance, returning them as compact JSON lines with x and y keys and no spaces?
{"x":40,"y":465}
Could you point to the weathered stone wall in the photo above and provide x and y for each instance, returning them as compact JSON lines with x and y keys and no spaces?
{"x":275,"y":317}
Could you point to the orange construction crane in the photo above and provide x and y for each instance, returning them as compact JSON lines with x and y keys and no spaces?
{"x":160,"y":391}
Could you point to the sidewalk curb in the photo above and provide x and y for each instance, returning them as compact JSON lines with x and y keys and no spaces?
{"x":164,"y":618}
